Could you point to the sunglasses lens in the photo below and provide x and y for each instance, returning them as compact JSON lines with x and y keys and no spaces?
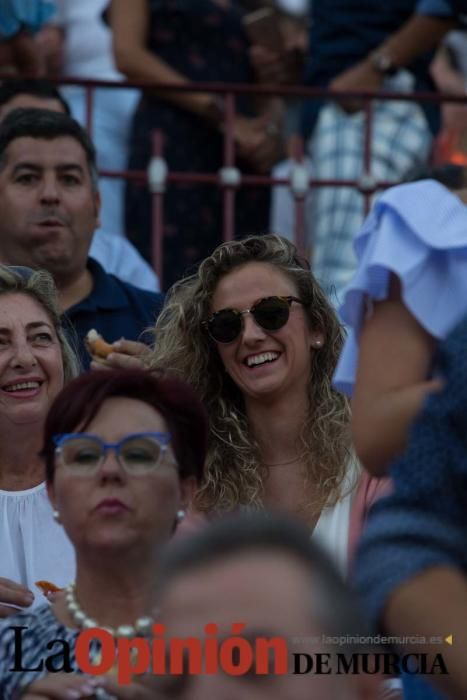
{"x":225,"y":326}
{"x":272,"y":313}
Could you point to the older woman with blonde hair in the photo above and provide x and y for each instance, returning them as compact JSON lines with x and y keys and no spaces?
{"x":36,"y":360}
{"x":254,"y":334}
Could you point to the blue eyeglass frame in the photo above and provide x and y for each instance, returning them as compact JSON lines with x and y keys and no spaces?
{"x":162,"y":438}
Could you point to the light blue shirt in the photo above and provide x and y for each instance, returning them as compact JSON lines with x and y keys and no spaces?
{"x":418,"y":232}
{"x":120,"y":258}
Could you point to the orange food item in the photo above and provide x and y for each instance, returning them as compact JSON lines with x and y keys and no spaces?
{"x":47,"y":587}
{"x":97,"y":345}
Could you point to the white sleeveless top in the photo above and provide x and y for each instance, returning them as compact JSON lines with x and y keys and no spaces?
{"x":332,"y":529}
{"x":32,"y":545}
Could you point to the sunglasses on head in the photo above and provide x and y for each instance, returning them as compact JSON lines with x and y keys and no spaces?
{"x":271,"y":313}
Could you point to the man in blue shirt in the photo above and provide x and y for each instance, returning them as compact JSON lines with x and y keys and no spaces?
{"x":49,"y":206}
{"x":115,"y":253}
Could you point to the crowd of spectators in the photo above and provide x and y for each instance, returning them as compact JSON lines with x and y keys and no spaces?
{"x":294,"y":420}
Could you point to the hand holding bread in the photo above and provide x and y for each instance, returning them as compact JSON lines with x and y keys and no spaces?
{"x":121,"y":354}
{"x":96,"y":345}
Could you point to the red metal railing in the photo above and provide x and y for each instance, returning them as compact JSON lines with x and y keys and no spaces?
{"x":158,"y":175}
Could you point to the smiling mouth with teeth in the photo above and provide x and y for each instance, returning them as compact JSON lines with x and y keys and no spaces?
{"x":21,"y":386}
{"x":263,"y":358}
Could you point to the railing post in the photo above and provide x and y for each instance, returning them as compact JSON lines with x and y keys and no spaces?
{"x":89,"y":94}
{"x":157,"y":178}
{"x":299,"y":186}
{"x":229,"y":163}
{"x":367,"y":153}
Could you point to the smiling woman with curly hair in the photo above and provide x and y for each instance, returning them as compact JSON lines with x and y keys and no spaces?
{"x":254,"y":334}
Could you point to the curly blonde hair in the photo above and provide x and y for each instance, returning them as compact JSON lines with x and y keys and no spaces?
{"x":234,"y":475}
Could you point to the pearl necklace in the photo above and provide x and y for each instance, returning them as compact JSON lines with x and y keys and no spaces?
{"x":141,"y":627}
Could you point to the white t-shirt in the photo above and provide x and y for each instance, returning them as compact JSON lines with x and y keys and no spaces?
{"x":88,"y":40}
{"x":32,"y":545}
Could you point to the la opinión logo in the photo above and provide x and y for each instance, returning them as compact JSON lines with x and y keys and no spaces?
{"x":235,"y":655}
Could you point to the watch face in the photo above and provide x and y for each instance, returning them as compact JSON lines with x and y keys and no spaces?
{"x":383,"y":62}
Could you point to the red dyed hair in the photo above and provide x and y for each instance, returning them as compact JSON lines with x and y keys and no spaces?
{"x":80,"y":400}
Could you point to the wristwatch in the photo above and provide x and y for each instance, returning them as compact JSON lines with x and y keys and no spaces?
{"x":382,"y":62}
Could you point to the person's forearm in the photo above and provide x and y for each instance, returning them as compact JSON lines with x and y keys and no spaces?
{"x":141,"y":64}
{"x":130,"y":22}
{"x":446,"y":77}
{"x":381,"y":428}
{"x":434,"y":603}
{"x":417,"y":36}
{"x":138,"y":63}
{"x":272,"y":109}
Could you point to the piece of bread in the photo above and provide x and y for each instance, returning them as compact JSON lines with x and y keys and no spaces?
{"x":47,"y":587}
{"x":96,"y":344}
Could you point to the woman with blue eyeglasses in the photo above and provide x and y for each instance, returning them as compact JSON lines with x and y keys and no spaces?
{"x":123,"y":451}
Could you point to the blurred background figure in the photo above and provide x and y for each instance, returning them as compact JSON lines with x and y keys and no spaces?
{"x":361,"y":47}
{"x":87,"y":53}
{"x":452,"y":176}
{"x":148,"y":35}
{"x":20,"y":50}
{"x":292,"y":18}
{"x":449,"y":70}
{"x":264,"y":572}
{"x":383,"y":49}
{"x":34,"y":94}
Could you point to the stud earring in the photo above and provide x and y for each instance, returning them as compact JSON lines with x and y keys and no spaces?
{"x":180,"y":515}
{"x":56,"y":516}
{"x":317,"y":343}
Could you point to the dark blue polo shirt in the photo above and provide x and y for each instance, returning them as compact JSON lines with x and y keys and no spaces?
{"x":115,"y":309}
{"x":344,"y":32}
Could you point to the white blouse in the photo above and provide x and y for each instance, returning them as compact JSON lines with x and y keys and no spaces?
{"x":33,"y":546}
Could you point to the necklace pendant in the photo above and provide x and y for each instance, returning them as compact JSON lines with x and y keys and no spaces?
{"x":144,"y":625}
{"x":127,"y":631}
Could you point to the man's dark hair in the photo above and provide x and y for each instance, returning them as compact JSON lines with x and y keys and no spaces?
{"x":48,"y":125}
{"x":332,"y":603}
{"x":42,"y":89}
